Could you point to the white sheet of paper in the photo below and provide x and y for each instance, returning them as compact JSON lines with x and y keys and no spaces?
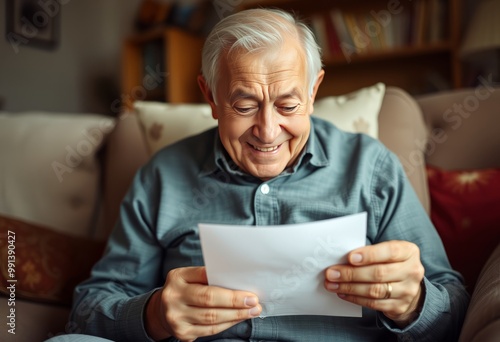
{"x":284,"y":265}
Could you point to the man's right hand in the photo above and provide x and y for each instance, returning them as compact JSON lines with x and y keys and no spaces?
{"x":187,"y":307}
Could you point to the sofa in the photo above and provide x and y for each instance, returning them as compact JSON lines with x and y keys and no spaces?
{"x":63,"y":206}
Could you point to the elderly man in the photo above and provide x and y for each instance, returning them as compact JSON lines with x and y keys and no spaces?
{"x":261,"y":72}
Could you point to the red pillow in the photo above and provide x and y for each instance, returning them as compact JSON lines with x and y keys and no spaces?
{"x":45,"y":265}
{"x":465,"y":208}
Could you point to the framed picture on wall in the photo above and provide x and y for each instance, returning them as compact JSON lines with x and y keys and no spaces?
{"x":33,"y":23}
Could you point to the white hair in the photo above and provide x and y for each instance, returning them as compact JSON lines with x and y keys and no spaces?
{"x":255,"y":30}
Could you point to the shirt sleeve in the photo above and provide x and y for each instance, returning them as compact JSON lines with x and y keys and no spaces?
{"x":111,"y":302}
{"x":400,"y":216}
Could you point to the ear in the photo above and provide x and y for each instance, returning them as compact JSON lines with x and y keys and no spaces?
{"x":319,"y":79}
{"x":207,"y":93}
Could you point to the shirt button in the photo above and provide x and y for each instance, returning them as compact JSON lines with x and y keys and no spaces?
{"x":264,"y":189}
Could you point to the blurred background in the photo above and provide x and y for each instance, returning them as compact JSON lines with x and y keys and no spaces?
{"x":70,"y":55}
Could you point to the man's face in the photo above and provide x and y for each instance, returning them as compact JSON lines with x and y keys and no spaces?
{"x":263,"y":107}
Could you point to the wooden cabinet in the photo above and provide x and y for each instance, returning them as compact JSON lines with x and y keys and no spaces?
{"x":161,"y":65}
{"x":410,"y":44}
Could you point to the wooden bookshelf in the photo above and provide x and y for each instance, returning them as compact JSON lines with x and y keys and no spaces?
{"x":423,"y":57}
{"x":161,"y":65}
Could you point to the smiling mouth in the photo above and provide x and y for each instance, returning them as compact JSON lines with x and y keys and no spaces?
{"x":265,"y":149}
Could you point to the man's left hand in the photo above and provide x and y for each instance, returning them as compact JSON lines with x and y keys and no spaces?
{"x":386,"y":277}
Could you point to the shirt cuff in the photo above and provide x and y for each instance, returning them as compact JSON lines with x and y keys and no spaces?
{"x":132,"y":320}
{"x":436,"y":302}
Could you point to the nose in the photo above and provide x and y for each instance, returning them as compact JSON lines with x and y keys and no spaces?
{"x":267,"y":125}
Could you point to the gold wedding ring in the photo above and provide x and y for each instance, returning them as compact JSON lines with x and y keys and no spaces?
{"x":388,"y":291}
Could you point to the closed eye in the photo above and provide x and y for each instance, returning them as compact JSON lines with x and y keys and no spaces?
{"x":289,"y":109}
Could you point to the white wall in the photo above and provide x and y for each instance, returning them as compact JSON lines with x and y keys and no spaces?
{"x":82,"y":74}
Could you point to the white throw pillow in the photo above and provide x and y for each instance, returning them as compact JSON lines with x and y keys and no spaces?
{"x":49,"y":173}
{"x":164,"y":123}
{"x":356,"y":112}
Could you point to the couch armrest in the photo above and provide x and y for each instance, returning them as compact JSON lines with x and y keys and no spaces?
{"x":482,"y":322}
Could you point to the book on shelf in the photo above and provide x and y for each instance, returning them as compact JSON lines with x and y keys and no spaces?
{"x":344,"y":32}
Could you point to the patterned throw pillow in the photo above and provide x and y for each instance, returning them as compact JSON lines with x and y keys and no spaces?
{"x":43,"y":264}
{"x":465,"y":208}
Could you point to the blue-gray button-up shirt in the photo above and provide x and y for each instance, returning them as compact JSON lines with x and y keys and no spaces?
{"x":195,"y":181}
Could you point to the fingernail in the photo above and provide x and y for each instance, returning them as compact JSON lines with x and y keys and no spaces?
{"x":333,"y":274}
{"x":332,"y":286}
{"x":356,"y":257}
{"x":250,"y":301}
{"x":255,"y":311}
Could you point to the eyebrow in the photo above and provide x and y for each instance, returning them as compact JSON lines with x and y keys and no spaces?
{"x":240,"y":93}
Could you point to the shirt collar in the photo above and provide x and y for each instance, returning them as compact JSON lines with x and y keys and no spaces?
{"x":313,"y":154}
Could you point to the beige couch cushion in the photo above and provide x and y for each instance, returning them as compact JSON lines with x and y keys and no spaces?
{"x":49,"y":170}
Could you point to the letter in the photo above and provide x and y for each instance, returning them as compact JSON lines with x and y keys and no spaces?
{"x":94,"y":136}
{"x":40,"y":19}
{"x":347,"y":50}
{"x":409,"y":169}
{"x":376,"y":26}
{"x":487,"y":83}
{"x":15,"y":40}
{"x":106,"y":126}
{"x":383,"y":17}
{"x":116,"y":107}
{"x":72,"y":328}
{"x":72,"y":158}
{"x":186,"y":210}
{"x":84,"y":148}
{"x":138,"y":93}
{"x":12,"y":313}
{"x":481,"y":96}
{"x":51,"y":7}
{"x":149,"y":83}
{"x":450,"y":118}
{"x":199,"y":200}
{"x":291,"y":281}
{"x":211,"y":190}
{"x":393,"y":5}
{"x":471,"y":103}
{"x":160,"y":73}
{"x":360,"y":39}
{"x":28,"y":29}
{"x":458,"y":108}
{"x":12,"y":331}
{"x":310,"y":264}
{"x":11,"y":302}
{"x":424,"y":145}
{"x":328,"y":245}
{"x":318,"y":255}
{"x":155,"y":75}
{"x":60,"y":169}
{"x":439,"y":135}
{"x":221,"y":7}
{"x":416,"y":158}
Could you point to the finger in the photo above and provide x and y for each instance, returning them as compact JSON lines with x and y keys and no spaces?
{"x":218,"y":297}
{"x":382,"y":305}
{"x":384,"y":252}
{"x":378,"y":273}
{"x":370,"y":291}
{"x":215,"y":316}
